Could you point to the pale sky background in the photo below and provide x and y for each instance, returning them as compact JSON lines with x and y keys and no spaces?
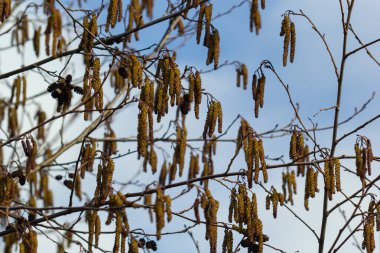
{"x":312,"y":84}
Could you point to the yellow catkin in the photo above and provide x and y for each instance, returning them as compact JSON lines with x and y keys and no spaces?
{"x":254,"y":86}
{"x":293,"y":154}
{"x":309,"y":187}
{"x":248,"y":214}
{"x":12,"y":122}
{"x":255,"y":19}
{"x":118,"y":225}
{"x":197,"y":93}
{"x":267,"y":202}
{"x":168,"y":203}
{"x":163,"y":174}
{"x":286,"y":40}
{"x":98,"y":229}
{"x":182,"y":150}
{"x":216,"y":48}
{"x":208,"y":121}
{"x":24,"y":84}
{"x":256,"y":153}
{"x":262,"y":161}
{"x":41,"y":117}
{"x":275,"y":200}
{"x":208,"y":14}
{"x":97,"y":85}
{"x":225,"y":241}
{"x":214,"y":117}
{"x":244,"y":74}
{"x":232,"y":206}
{"x":78,"y":187}
{"x":337,"y":174}
{"x":332,"y":187}
{"x":220,"y":117}
{"x":133,"y":246}
{"x":316,"y":181}
{"x":91,"y":229}
{"x":36,"y":41}
{"x":153,"y":160}
{"x":293,"y":181}
{"x":148,"y":202}
{"x":240,"y":204}
{"x":292,"y":41}
{"x":200,"y":23}
{"x":112,"y":14}
{"x":142,"y":131}
{"x":57,"y":30}
{"x":5,"y":10}
{"x":16,"y":91}
{"x":310,"y":182}
{"x":260,"y":90}
{"x":159,"y":210}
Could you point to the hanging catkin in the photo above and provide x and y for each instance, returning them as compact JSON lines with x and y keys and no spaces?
{"x":292,"y":41}
{"x":255,"y":19}
{"x":5,"y":10}
{"x":286,"y":32}
{"x":159,"y":209}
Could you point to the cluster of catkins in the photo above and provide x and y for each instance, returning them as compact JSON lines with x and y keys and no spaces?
{"x":88,"y":156}
{"x":54,"y":25}
{"x":332,"y":176}
{"x":242,"y":73}
{"x":255,"y":18}
{"x":109,"y":146}
{"x":170,"y":87}
{"x":311,"y":185}
{"x":288,"y":30}
{"x":104,"y":180}
{"x":243,"y":211}
{"x":92,"y":81}
{"x":194,"y":166}
{"x":21,"y":34}
{"x":210,"y":208}
{"x":289,"y":185}
{"x":115,"y":13}
{"x":228,"y":240}
{"x":274,"y":197}
{"x":373,"y":214}
{"x":8,"y":188}
{"x":258,"y":88}
{"x":162,"y":206}
{"x":19,"y":91}
{"x":131,"y":69}
{"x":254,"y":152}
{"x":145,"y":120}
{"x":29,"y":243}
{"x":90,"y":31}
{"x":214,"y":115}
{"x":211,"y":38}
{"x":135,"y":11}
{"x":364,"y":157}
{"x":195,"y":92}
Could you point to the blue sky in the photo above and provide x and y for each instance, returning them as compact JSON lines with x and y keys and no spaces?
{"x":312,"y":84}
